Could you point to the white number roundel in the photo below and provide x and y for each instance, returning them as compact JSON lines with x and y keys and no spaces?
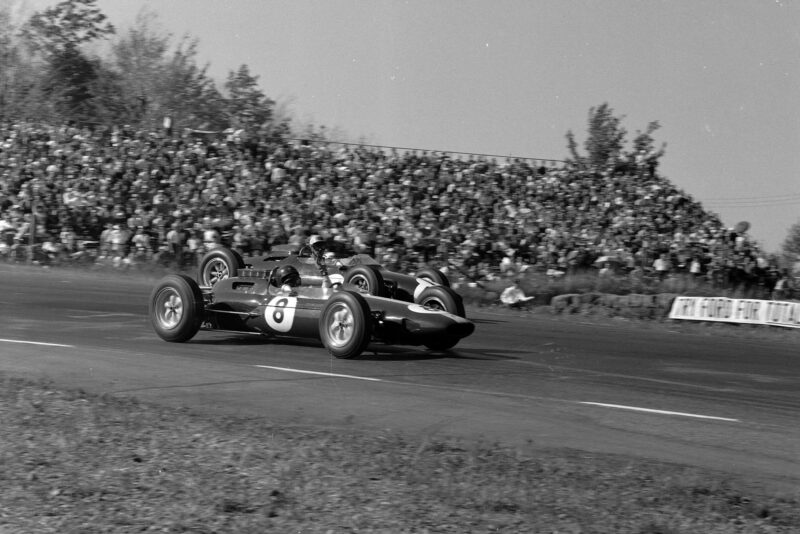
{"x":279,"y":313}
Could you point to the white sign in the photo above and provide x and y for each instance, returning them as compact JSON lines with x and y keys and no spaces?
{"x":748,"y":311}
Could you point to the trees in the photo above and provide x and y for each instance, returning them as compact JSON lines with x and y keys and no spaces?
{"x":245,"y":100}
{"x":45,"y":74}
{"x":56,"y":35}
{"x":138,"y":60}
{"x":158,"y":79}
{"x":605,"y":143}
{"x":67,"y":25}
{"x":193,"y":100}
{"x":19,"y":90}
{"x":791,"y":245}
{"x":143,"y":80}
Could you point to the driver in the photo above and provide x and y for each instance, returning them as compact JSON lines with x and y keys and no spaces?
{"x":314,"y":239}
{"x":288,"y":278}
{"x":317,"y":243}
{"x":320,"y":252}
{"x":316,"y":247}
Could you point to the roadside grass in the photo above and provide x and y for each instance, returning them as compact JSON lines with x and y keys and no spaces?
{"x":73,"y":462}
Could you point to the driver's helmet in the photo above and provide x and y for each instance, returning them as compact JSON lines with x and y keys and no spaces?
{"x":288,"y":275}
{"x":316,"y":241}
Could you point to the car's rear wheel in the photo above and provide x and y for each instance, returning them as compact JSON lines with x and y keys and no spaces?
{"x":219,"y":264}
{"x":365,"y":279}
{"x":176,"y":308}
{"x":344,"y":326}
{"x":442,"y":298}
{"x":433,"y":275}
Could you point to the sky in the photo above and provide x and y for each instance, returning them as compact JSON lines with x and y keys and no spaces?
{"x":512,"y":77}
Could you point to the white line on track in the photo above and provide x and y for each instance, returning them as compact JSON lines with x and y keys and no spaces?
{"x":600,"y":404}
{"x":100,"y":315}
{"x":40,"y":343}
{"x":302,"y":371}
{"x":661,"y":412}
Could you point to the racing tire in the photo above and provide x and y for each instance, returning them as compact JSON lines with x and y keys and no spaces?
{"x":442,"y":298}
{"x":218,"y":264}
{"x":433,"y":275}
{"x":344,"y":325}
{"x":365,"y":279}
{"x":176,"y":308}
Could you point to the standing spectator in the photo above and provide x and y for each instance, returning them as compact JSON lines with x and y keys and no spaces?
{"x":68,"y":239}
{"x":194,"y":247}
{"x":662,"y":266}
{"x":696,"y":267}
{"x":211,"y":238}
{"x":118,"y":238}
{"x":141,"y":245}
{"x":175,"y":240}
{"x":607,"y":270}
{"x":784,"y":287}
{"x":105,"y":240}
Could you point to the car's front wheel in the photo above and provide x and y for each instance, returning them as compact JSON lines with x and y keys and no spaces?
{"x":365,"y":279}
{"x":433,"y":275}
{"x":344,"y":326}
{"x":219,"y":264}
{"x":176,"y":308}
{"x":442,"y":298}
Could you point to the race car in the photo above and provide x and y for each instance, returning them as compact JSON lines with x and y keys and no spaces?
{"x":277,"y":303}
{"x":344,"y":265}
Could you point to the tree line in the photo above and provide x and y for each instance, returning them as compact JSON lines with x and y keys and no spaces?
{"x":47,"y":73}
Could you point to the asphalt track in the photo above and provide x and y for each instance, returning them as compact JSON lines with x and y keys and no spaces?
{"x":721,"y":398}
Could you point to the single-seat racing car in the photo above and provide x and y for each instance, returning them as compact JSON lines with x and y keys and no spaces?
{"x":343,"y":264}
{"x":278,"y":303}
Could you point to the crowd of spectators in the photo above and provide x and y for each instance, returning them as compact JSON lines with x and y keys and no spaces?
{"x":128,"y":197}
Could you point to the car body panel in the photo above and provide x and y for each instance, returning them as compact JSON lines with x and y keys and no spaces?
{"x":250,"y":303}
{"x":399,"y":286}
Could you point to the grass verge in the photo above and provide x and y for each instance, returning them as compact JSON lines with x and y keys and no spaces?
{"x":72,"y":462}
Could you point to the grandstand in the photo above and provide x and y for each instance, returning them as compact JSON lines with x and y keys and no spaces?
{"x":129,"y":197}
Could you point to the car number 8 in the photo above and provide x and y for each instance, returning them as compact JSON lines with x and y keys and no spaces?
{"x":279,"y":313}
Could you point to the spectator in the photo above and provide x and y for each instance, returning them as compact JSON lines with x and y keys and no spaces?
{"x":118,"y":237}
{"x":211,"y":237}
{"x":175,"y":239}
{"x":784,"y":287}
{"x":140,"y":243}
{"x":607,"y":270}
{"x":514,"y":297}
{"x":469,"y":212}
{"x":662,"y":266}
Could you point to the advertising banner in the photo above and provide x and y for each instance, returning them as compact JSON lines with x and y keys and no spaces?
{"x":748,"y":311}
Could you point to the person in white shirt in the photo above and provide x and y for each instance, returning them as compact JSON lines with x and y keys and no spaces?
{"x":514,"y":297}
{"x":662,"y":266}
